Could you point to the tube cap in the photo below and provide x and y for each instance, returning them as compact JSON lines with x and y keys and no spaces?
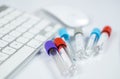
{"x":63,"y":33}
{"x":59,"y":42}
{"x":107,"y":29}
{"x":78,"y":30}
{"x":97,"y":32}
{"x":50,"y":45}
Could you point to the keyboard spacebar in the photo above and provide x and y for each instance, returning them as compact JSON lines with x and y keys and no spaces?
{"x":15,"y":60}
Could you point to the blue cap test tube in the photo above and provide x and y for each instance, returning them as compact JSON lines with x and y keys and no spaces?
{"x":94,"y":36}
{"x":66,"y":37}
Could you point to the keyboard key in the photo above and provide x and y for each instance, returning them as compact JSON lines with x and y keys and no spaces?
{"x":34,"y":31}
{"x":21,"y":29}
{"x":15,"y":33}
{"x":3,"y":43}
{"x":40,"y":38}
{"x":8,"y":38}
{"x":27,"y":24}
{"x":32,"y":21}
{"x":25,"y":49}
{"x":9,"y":17}
{"x":15,"y":60}
{"x":12,"y":15}
{"x":42,"y":24}
{"x":48,"y":28}
{"x":16,"y":45}
{"x":28,"y":35}
{"x":3,"y":56}
{"x":8,"y":50}
{"x":22,"y":40}
{"x":1,"y":35}
{"x":50,"y":33}
{"x":19,"y":20}
{"x":3,"y":31}
{"x":15,"y":13}
{"x":3,"y":21}
{"x":34,"y":18}
{"x":3,"y":13}
{"x":10,"y":26}
{"x":1,"y":24}
{"x":34,"y":43}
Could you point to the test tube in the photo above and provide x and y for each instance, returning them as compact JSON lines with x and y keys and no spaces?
{"x":52,"y":50}
{"x":105,"y":34}
{"x":62,"y":48}
{"x":65,"y":36}
{"x":79,"y":42}
{"x":94,"y":36}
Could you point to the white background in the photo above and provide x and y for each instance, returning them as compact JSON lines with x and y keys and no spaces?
{"x":102,"y":12}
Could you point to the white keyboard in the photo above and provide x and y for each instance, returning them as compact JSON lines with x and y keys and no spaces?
{"x":21,"y":36}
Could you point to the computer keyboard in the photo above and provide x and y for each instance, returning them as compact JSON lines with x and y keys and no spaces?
{"x":21,"y":35}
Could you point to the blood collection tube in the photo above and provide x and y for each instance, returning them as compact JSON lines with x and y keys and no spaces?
{"x":52,"y":50}
{"x":79,"y":42}
{"x":62,"y":48}
{"x":105,"y":34}
{"x":65,"y":36}
{"x":94,"y":36}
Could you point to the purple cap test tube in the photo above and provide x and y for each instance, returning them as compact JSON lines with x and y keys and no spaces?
{"x":52,"y":51}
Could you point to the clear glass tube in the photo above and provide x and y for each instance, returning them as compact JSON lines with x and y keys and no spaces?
{"x":70,"y":51}
{"x":59,"y":61}
{"x":70,"y":66}
{"x":100,"y":44}
{"x":79,"y":42}
{"x":90,"y":44}
{"x":66,"y":37}
{"x":61,"y":58}
{"x":63,"y":62}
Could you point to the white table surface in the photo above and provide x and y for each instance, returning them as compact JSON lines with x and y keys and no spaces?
{"x":102,"y":12}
